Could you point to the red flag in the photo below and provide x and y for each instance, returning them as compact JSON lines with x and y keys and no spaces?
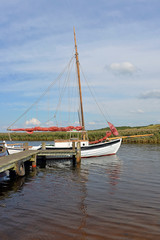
{"x":108,"y":134}
{"x":113,"y":129}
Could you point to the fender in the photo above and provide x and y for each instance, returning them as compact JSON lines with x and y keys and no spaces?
{"x":20,"y":168}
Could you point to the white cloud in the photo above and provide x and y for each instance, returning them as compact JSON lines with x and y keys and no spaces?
{"x":151,"y":94}
{"x":122,"y":68}
{"x":33,"y":121}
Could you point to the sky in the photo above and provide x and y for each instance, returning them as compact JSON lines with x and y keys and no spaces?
{"x":119,"y":52}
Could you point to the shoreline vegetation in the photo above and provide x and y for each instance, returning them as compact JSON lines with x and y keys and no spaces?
{"x":92,"y":135}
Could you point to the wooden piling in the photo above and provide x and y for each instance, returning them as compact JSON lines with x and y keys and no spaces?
{"x":34,"y":161}
{"x":43,"y":146}
{"x":78,"y":155}
{"x":73,"y":146}
{"x":25,"y":146}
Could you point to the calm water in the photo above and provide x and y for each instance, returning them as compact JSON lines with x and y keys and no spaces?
{"x":116,"y":197}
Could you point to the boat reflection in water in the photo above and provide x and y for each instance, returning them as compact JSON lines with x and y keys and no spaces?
{"x":113,"y":170}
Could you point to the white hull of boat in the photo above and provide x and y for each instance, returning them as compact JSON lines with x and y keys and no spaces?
{"x":101,"y":149}
{"x":94,"y":150}
{"x":14,"y":149}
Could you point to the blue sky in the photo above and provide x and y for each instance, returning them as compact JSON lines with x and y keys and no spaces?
{"x":119,"y":51}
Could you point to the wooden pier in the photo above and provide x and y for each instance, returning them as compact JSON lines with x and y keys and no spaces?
{"x":16,"y":162}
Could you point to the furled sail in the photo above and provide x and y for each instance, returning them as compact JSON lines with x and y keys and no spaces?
{"x":48,"y":129}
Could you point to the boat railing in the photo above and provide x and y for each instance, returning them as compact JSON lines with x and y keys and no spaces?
{"x":15,"y":144}
{"x":21,"y":146}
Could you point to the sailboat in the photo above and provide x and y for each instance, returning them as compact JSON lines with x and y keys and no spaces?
{"x":102,"y":147}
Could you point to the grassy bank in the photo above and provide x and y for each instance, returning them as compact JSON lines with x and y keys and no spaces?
{"x":93,"y":135}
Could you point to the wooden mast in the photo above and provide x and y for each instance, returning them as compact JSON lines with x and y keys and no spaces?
{"x":79,"y":84}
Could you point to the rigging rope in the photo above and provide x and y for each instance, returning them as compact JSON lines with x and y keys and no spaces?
{"x":91,"y":91}
{"x":44,"y":93}
{"x":69,"y":66}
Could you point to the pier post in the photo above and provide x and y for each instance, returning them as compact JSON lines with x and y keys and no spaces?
{"x":34,"y":161}
{"x":74,"y":157}
{"x":43,"y":146}
{"x":73,"y":146}
{"x":78,"y":155}
{"x":25,"y":146}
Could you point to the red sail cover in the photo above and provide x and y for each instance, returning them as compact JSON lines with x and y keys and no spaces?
{"x":113,"y":129}
{"x":51,"y":129}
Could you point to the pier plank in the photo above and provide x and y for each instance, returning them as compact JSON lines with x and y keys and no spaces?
{"x":9,"y":161}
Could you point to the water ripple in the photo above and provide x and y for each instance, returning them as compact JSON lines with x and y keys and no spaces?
{"x":114,"y":197}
